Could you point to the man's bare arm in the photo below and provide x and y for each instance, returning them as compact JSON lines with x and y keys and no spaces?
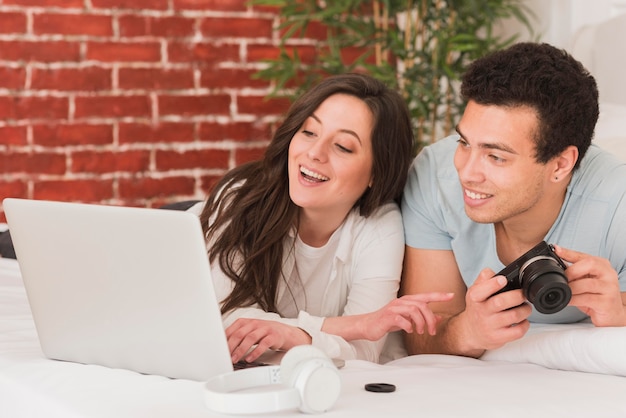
{"x":468,"y":330}
{"x":429,"y":271}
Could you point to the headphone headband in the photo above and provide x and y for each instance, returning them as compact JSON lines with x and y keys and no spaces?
{"x":219,"y":396}
{"x":306,"y":379}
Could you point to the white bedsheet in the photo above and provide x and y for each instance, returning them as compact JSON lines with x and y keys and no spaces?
{"x":427,"y":385}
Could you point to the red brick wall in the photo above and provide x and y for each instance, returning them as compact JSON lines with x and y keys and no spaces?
{"x":130,"y":102}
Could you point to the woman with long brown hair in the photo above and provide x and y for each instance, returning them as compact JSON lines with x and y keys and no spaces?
{"x":306,"y":244}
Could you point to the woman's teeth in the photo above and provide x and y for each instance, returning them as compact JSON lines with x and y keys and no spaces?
{"x":312,"y":174}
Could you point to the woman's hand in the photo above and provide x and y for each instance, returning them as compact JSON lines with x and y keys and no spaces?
{"x":246,"y":333}
{"x":409,"y":313}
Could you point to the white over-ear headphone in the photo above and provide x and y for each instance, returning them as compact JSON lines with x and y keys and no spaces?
{"x":308,"y":380}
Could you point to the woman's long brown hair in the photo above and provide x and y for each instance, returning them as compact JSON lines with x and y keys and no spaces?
{"x":247,"y":224}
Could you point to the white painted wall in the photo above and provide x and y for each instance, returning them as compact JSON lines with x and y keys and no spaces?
{"x":558,"y":20}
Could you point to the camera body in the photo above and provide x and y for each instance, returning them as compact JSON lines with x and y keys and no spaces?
{"x":540,"y":273}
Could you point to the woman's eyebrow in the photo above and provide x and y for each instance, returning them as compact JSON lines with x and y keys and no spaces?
{"x":346,"y":131}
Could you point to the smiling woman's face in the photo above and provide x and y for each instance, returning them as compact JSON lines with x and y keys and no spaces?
{"x":330,"y":157}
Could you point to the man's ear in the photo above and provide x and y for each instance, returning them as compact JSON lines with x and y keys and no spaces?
{"x":564,"y":163}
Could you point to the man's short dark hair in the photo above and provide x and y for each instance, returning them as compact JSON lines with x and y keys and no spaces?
{"x":547,"y":79}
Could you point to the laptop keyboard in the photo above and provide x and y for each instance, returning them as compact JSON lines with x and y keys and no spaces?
{"x":247,"y":364}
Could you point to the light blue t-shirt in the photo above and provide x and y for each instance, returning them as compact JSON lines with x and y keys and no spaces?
{"x":592,"y":219}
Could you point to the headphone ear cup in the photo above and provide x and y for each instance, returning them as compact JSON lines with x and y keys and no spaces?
{"x":307,"y":369}
{"x":295,"y":356}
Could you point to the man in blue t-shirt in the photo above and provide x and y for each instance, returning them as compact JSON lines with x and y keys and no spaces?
{"x":521,"y":170}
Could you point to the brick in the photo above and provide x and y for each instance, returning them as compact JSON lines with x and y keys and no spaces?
{"x":110,"y":162}
{"x":261,"y":52}
{"x":124,"y":51}
{"x":203,"y":53}
{"x":87,"y":190}
{"x":13,"y":22}
{"x":231,"y":78}
{"x":236,"y":131}
{"x":12,"y":78}
{"x":40,"y":51}
{"x":13,"y":135}
{"x":244,"y":155}
{"x":162,"y":133}
{"x":306,"y":54}
{"x":39,"y":163}
{"x":194,"y":105}
{"x":148,"y":188}
{"x":72,"y":79}
{"x":256,"y":8}
{"x":258,"y":53}
{"x":218,"y":5}
{"x":6,"y":107}
{"x":112,"y":106}
{"x":74,"y":4}
{"x":130,"y":4}
{"x":169,"y":27}
{"x":236,"y":27}
{"x":24,"y":108}
{"x":13,"y":188}
{"x":155,"y":78}
{"x":72,"y":24}
{"x":207,"y":158}
{"x":50,"y":135}
{"x":314,"y":30}
{"x":208,"y":182}
{"x":256,"y":105}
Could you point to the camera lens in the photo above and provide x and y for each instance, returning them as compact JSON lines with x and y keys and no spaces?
{"x":552,"y":297}
{"x":545,"y":285}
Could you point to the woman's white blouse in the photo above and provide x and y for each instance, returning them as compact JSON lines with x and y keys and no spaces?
{"x":364,"y":276}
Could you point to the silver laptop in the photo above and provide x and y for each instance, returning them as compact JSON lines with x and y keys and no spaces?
{"x":120,"y":287}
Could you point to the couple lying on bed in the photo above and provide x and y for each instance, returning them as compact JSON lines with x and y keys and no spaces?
{"x":307,"y":245}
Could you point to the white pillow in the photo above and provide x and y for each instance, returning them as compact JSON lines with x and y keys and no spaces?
{"x":575,"y":347}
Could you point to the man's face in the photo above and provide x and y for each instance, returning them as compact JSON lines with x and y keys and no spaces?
{"x":495,"y":160}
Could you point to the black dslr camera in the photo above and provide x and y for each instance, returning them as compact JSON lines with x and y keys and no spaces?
{"x":540,"y":273}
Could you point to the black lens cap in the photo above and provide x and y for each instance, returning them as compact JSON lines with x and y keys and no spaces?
{"x":380,"y":387}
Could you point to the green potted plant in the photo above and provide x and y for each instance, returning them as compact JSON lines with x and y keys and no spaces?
{"x":421,"y":47}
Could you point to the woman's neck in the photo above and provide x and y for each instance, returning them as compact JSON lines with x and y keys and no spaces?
{"x":315,"y":229}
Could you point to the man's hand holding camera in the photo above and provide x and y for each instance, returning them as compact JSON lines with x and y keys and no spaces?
{"x":595,"y":288}
{"x":493,"y":319}
{"x":497,"y":305}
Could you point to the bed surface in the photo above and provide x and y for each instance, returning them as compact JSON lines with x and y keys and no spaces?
{"x":427,"y":385}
